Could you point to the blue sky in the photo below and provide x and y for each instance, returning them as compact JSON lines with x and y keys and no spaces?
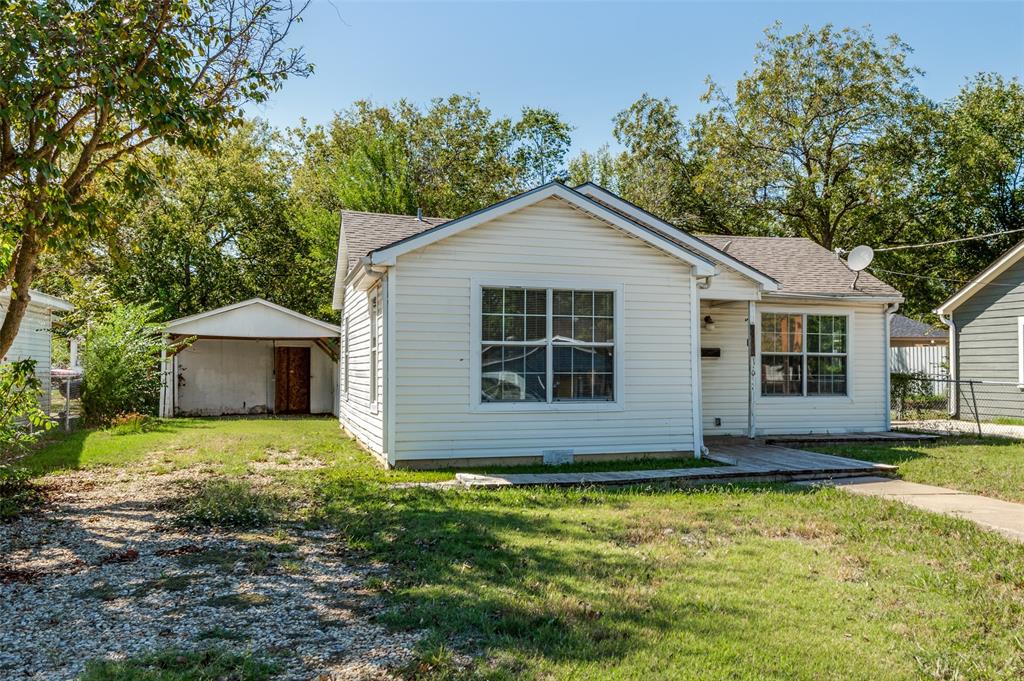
{"x":589,"y":60}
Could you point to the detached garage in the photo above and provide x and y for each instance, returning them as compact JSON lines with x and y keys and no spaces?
{"x":252,"y":357}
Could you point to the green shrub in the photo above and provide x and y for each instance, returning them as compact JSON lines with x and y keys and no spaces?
{"x":229,"y":503}
{"x":121,"y":362}
{"x":129,"y":424}
{"x":17,"y":493}
{"x":174,"y":665}
{"x":22,"y":419}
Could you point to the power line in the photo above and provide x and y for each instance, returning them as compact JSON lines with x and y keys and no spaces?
{"x":950,"y":241}
{"x":930,"y":277}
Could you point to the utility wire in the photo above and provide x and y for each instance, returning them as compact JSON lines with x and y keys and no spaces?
{"x":930,"y":277}
{"x":951,"y":241}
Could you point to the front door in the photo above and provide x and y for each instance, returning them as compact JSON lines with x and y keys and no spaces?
{"x":291,"y":373}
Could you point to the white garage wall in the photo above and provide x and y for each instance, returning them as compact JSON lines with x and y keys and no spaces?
{"x":223,"y":376}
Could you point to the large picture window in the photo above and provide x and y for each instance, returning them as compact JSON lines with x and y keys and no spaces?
{"x":547,"y":345}
{"x":803,"y":354}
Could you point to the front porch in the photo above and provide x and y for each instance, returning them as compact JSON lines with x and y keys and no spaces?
{"x":742,"y":461}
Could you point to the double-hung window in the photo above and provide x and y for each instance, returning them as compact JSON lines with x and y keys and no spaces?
{"x":547,"y":345}
{"x":804,"y":354}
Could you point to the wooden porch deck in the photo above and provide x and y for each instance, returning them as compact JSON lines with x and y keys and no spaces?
{"x":742,"y":462}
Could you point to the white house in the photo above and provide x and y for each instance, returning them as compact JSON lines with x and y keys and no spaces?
{"x":34,"y":336}
{"x":568,"y":322}
{"x":253,"y":357}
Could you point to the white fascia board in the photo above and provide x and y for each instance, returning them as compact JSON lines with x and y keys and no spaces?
{"x":43,"y":299}
{"x":1001,"y":264}
{"x":387,"y":256}
{"x":701,"y":247}
{"x":834,"y":299}
{"x":340,"y":267}
{"x":245,"y":303}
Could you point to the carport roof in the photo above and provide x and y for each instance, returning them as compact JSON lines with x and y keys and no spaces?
{"x":253,"y":318}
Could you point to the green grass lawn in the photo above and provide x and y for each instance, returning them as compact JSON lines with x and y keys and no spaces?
{"x":992,"y":466}
{"x":728,"y":582}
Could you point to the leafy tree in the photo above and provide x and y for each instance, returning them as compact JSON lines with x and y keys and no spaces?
{"x":218,"y":229}
{"x":968,"y":182}
{"x":121,"y":359}
{"x":599,"y":167}
{"x":85,"y":85}
{"x":22,"y":419}
{"x":542,"y":140}
{"x":815,"y":139}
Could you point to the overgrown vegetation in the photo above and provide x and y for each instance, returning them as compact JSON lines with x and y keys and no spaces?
{"x":22,"y":419}
{"x":18,"y":493}
{"x":121,"y":362}
{"x":724,"y":582}
{"x":229,"y":504}
{"x":175,"y":664}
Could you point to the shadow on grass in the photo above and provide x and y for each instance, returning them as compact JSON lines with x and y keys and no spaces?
{"x":524,"y":572}
{"x":897,"y":453}
{"x":60,"y":450}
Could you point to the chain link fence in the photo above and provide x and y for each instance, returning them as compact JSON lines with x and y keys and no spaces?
{"x":939,"y":404}
{"x":65,"y":406}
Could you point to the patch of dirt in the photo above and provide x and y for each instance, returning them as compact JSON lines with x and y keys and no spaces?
{"x":102,"y":572}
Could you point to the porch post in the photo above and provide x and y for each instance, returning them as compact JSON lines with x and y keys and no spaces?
{"x":695,"y":377}
{"x":163,"y":377}
{"x":751,"y":368}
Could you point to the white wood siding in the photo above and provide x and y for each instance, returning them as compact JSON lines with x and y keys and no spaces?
{"x":863,"y":409}
{"x":357,"y":414}
{"x":729,"y":285}
{"x":33,"y":342}
{"x":726,"y":386}
{"x":433,"y":383}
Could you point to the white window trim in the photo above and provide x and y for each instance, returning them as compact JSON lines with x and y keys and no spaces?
{"x":477,"y":285}
{"x":848,"y":398}
{"x":1020,"y":352}
{"x":373,"y":306}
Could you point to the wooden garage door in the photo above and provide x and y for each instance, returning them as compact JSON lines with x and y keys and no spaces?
{"x":291,"y":372}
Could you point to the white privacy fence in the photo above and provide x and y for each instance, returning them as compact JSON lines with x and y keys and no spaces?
{"x":932,"y":360}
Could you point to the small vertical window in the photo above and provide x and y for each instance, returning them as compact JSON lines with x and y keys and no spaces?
{"x":1020,"y":351}
{"x":345,"y":356}
{"x":374,"y":338}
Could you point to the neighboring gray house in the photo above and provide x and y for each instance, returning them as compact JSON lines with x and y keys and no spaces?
{"x":33,"y":339}
{"x":986,"y":339}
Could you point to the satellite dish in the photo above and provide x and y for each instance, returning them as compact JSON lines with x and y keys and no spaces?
{"x":860,"y":257}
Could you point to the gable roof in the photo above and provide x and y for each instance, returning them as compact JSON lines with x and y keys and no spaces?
{"x":779,"y":265}
{"x":998,"y":266}
{"x":253,"y":318}
{"x":376,"y":239}
{"x":802,"y":267}
{"x":905,"y":327}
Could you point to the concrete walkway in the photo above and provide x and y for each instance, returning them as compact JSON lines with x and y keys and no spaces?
{"x":742,"y":463}
{"x":1004,"y":517}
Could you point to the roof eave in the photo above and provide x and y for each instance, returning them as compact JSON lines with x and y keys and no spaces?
{"x":998,"y":266}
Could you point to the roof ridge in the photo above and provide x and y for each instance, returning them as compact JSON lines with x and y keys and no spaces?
{"x":394,"y":215}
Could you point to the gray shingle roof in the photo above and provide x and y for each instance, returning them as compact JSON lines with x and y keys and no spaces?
{"x":800,"y":265}
{"x":367,"y":232}
{"x":905,"y":327}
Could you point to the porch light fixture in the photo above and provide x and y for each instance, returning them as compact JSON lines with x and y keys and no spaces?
{"x":709,"y":323}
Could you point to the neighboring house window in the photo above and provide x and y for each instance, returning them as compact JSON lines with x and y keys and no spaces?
{"x":547,"y":345}
{"x":374,"y":340}
{"x":803,"y":354}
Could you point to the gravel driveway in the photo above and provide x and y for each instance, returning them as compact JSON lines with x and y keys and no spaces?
{"x":101,"y":573}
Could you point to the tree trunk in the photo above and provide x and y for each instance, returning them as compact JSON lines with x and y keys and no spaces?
{"x":25,"y":269}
